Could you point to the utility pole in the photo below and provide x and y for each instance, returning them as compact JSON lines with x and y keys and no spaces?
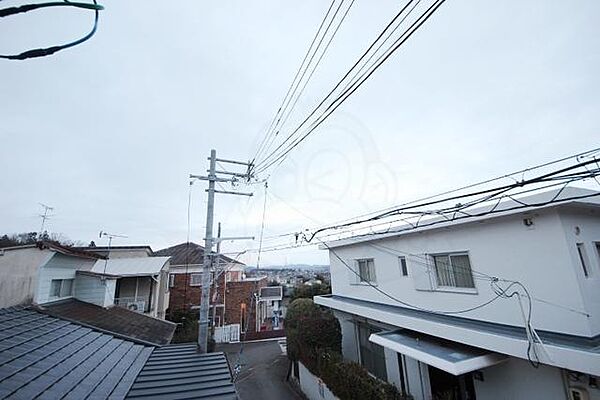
{"x":216,"y":276}
{"x":212,"y":178}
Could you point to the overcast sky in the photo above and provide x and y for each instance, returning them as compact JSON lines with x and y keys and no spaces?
{"x":108,"y":132}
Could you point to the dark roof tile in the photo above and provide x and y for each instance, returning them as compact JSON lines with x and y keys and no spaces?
{"x":188,"y":253}
{"x":115,"y":320}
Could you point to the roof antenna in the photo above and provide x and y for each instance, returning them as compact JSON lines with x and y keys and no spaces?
{"x":45,"y":216}
{"x":110,"y":236}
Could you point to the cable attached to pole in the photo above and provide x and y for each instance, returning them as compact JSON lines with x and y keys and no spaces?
{"x":43,"y":52}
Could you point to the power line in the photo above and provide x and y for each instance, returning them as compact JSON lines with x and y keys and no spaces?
{"x":340,"y":81}
{"x":43,"y":52}
{"x":285,"y":98}
{"x":266,"y":163}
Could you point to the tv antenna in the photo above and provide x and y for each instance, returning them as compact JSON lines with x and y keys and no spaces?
{"x":45,"y":216}
{"x":110,"y":237}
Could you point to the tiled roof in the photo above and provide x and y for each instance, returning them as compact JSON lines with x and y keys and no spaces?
{"x":46,"y":357}
{"x":117,"y":320}
{"x":179,"y":372}
{"x":187,"y":253}
{"x":50,"y":358}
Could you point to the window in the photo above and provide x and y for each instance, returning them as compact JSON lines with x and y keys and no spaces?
{"x":195,"y":279}
{"x":61,"y":288}
{"x":372,"y":356}
{"x":55,"y":287}
{"x":403,"y":267}
{"x":453,"y":270}
{"x":171,"y":280}
{"x":366,"y":270}
{"x":583,"y":259}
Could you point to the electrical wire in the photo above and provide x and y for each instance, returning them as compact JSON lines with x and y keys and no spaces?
{"x":285,"y":98}
{"x":43,"y":52}
{"x":341,"y":80}
{"x":532,"y":336}
{"x":348,"y":92}
{"x":262,"y":227}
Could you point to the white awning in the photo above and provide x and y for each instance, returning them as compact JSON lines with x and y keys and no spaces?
{"x":454,"y":358}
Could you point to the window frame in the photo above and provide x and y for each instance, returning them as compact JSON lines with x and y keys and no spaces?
{"x":372,"y":275}
{"x":451,"y":273}
{"x":192,"y":276}
{"x":584,"y":260}
{"x":60,"y":289}
{"x":403,"y":266}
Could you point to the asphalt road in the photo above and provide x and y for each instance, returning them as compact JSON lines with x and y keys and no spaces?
{"x":263,"y":372}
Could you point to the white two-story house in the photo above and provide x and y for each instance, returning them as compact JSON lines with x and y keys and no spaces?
{"x":442,"y":311}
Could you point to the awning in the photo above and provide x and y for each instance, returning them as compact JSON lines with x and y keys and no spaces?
{"x":454,"y":358}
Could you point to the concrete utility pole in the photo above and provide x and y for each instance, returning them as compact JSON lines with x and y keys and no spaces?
{"x":212,"y":178}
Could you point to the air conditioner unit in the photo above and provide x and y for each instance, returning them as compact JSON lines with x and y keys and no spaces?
{"x":138,"y":306}
{"x":576,"y":393}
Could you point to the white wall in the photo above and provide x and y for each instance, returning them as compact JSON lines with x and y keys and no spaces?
{"x":19,"y":274}
{"x":538,"y":256}
{"x":310,"y":386}
{"x":581,"y":226}
{"x":60,"y":266}
{"x":516,"y":380}
{"x":94,"y":290}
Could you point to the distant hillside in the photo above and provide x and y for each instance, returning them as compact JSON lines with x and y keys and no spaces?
{"x":305,"y":267}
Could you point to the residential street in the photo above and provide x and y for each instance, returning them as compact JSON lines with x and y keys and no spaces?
{"x":264,"y":368}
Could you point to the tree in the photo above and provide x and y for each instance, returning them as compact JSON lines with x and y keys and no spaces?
{"x":309,"y":291}
{"x":310,"y":328}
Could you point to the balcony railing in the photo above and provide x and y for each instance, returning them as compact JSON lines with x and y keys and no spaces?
{"x":137,"y":304}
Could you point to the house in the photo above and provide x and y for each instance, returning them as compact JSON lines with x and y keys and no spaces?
{"x":442,"y":310}
{"x":185,"y":279}
{"x":270,"y":310}
{"x":185,"y":282}
{"x":47,"y":272}
{"x":52,"y":358}
{"x":235,"y":299}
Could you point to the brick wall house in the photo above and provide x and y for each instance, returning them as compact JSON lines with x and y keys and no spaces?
{"x":185,"y":283}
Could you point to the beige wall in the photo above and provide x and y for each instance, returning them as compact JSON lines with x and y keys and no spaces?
{"x":19,"y":269}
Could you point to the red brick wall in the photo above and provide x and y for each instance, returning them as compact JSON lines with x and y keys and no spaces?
{"x":240,"y":292}
{"x":182,"y":296}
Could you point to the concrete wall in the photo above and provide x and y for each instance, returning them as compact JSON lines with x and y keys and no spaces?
{"x":94,"y":290}
{"x":313,"y":387}
{"x":538,"y":256}
{"x":19,"y":274}
{"x":516,"y":379}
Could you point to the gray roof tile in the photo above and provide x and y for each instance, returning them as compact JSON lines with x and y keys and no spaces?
{"x":179,"y":372}
{"x":48,"y":358}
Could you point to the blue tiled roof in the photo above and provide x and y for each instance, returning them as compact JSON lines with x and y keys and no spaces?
{"x":50,"y":358}
{"x":179,"y":372}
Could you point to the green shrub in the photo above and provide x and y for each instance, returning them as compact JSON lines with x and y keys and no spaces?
{"x":314,"y":338}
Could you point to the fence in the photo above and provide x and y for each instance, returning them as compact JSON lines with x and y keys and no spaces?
{"x":227,"y":333}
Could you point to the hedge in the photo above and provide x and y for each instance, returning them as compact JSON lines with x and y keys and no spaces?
{"x":314,"y":338}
